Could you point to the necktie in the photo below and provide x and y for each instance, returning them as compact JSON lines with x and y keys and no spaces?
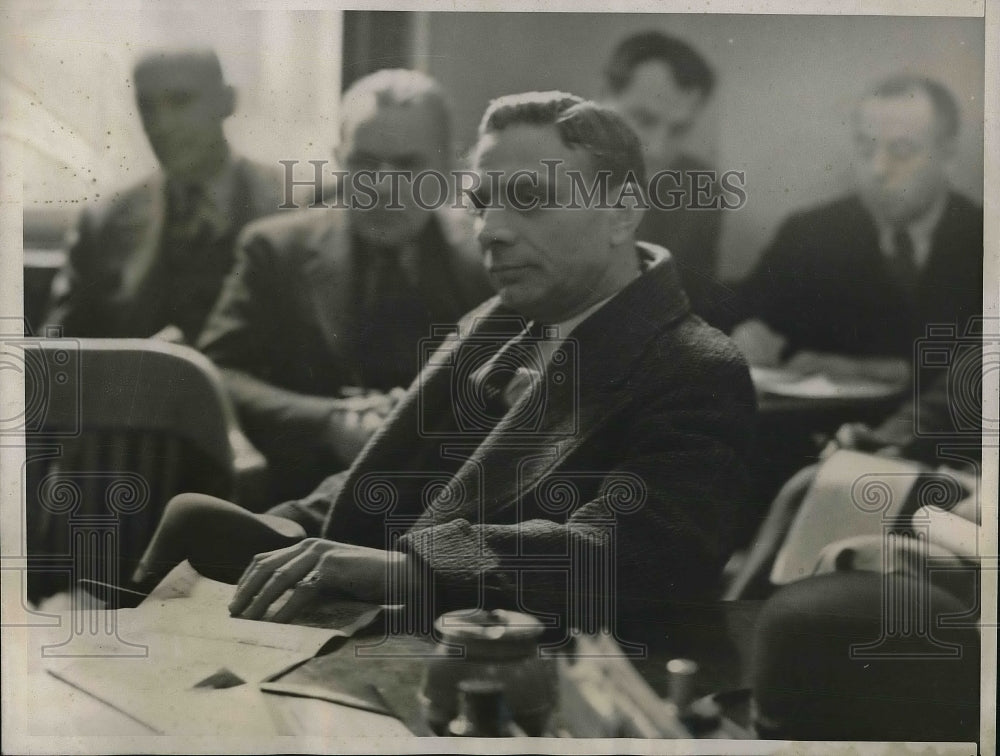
{"x":903,"y":263}
{"x":183,"y":217}
{"x":393,"y":314}
{"x":511,"y":371}
{"x":190,"y":265}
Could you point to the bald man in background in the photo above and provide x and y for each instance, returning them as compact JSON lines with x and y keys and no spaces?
{"x":151,"y":260}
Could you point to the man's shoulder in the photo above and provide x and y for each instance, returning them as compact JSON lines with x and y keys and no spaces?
{"x":264,"y":184}
{"x":962,"y":209}
{"x":295,"y":232}
{"x":131,"y":202}
{"x":845,"y":209}
{"x":702,"y":349}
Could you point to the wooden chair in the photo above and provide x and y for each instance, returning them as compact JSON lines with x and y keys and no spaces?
{"x":115,"y":428}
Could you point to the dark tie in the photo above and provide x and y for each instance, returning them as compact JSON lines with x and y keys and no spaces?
{"x":489,"y":383}
{"x":903,"y":263}
{"x":393,"y":312}
{"x":182,"y":216}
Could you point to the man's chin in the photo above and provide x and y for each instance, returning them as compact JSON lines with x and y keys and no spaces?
{"x":524,"y":306}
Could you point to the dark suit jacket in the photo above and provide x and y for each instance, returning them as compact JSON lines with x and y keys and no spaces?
{"x":113,"y":281}
{"x":824,"y":285}
{"x":287,"y":333}
{"x":636,"y":461}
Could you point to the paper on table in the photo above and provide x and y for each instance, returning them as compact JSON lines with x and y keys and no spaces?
{"x":333,"y":618}
{"x":160,"y":690}
{"x":837,"y":507}
{"x":185,"y":625}
{"x":786,"y":383}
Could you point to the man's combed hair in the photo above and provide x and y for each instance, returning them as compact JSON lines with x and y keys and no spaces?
{"x":613,"y":146}
{"x":690,"y":69}
{"x":945,"y":105}
{"x":400,"y":86}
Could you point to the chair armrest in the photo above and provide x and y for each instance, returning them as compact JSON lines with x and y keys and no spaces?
{"x":250,"y":474}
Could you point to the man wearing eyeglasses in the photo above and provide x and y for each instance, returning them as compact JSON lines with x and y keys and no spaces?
{"x":660,"y":84}
{"x":318,"y":327}
{"x":847,"y":288}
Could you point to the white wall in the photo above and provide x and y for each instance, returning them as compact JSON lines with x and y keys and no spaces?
{"x":69,"y":103}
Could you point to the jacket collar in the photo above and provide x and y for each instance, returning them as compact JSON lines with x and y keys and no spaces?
{"x":586,"y":388}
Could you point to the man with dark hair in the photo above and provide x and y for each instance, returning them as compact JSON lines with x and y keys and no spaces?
{"x":151,"y":260}
{"x":576,"y":449}
{"x":327,"y":301}
{"x":849,"y":287}
{"x":661,"y":84}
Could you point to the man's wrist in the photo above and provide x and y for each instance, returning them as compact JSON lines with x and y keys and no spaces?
{"x":402,"y":578}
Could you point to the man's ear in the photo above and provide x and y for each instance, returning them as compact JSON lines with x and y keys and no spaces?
{"x":627,"y":212}
{"x":949,"y":152}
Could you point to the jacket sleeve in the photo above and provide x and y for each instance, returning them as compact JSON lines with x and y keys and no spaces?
{"x":312,"y":511}
{"x":242,"y":336}
{"x":81,"y":287}
{"x":660,"y":527}
{"x":768,"y":292}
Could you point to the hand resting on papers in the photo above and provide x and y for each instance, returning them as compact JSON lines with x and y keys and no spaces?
{"x":314,"y":569}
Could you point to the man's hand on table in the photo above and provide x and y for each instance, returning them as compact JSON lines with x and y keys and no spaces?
{"x":859,"y":437}
{"x":315,"y":569}
{"x":760,"y":346}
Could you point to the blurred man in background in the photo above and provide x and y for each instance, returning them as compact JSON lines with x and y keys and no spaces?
{"x":660,"y":84}
{"x":331,"y":301}
{"x":151,"y":260}
{"x":847,"y":288}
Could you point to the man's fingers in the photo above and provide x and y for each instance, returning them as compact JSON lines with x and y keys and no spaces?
{"x":304,"y":594}
{"x":257,"y":574}
{"x":278,"y":581}
{"x":371,"y":421}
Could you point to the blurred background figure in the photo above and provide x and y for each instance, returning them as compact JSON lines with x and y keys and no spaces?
{"x":325,"y":303}
{"x":151,"y":260}
{"x":847,"y":288}
{"x":661,"y":85}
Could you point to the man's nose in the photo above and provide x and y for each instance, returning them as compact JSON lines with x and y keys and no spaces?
{"x":493,"y":229}
{"x":881,"y":164}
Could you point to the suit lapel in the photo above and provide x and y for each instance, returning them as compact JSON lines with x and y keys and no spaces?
{"x":143,"y":239}
{"x":327,"y":278}
{"x":583,"y":387}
